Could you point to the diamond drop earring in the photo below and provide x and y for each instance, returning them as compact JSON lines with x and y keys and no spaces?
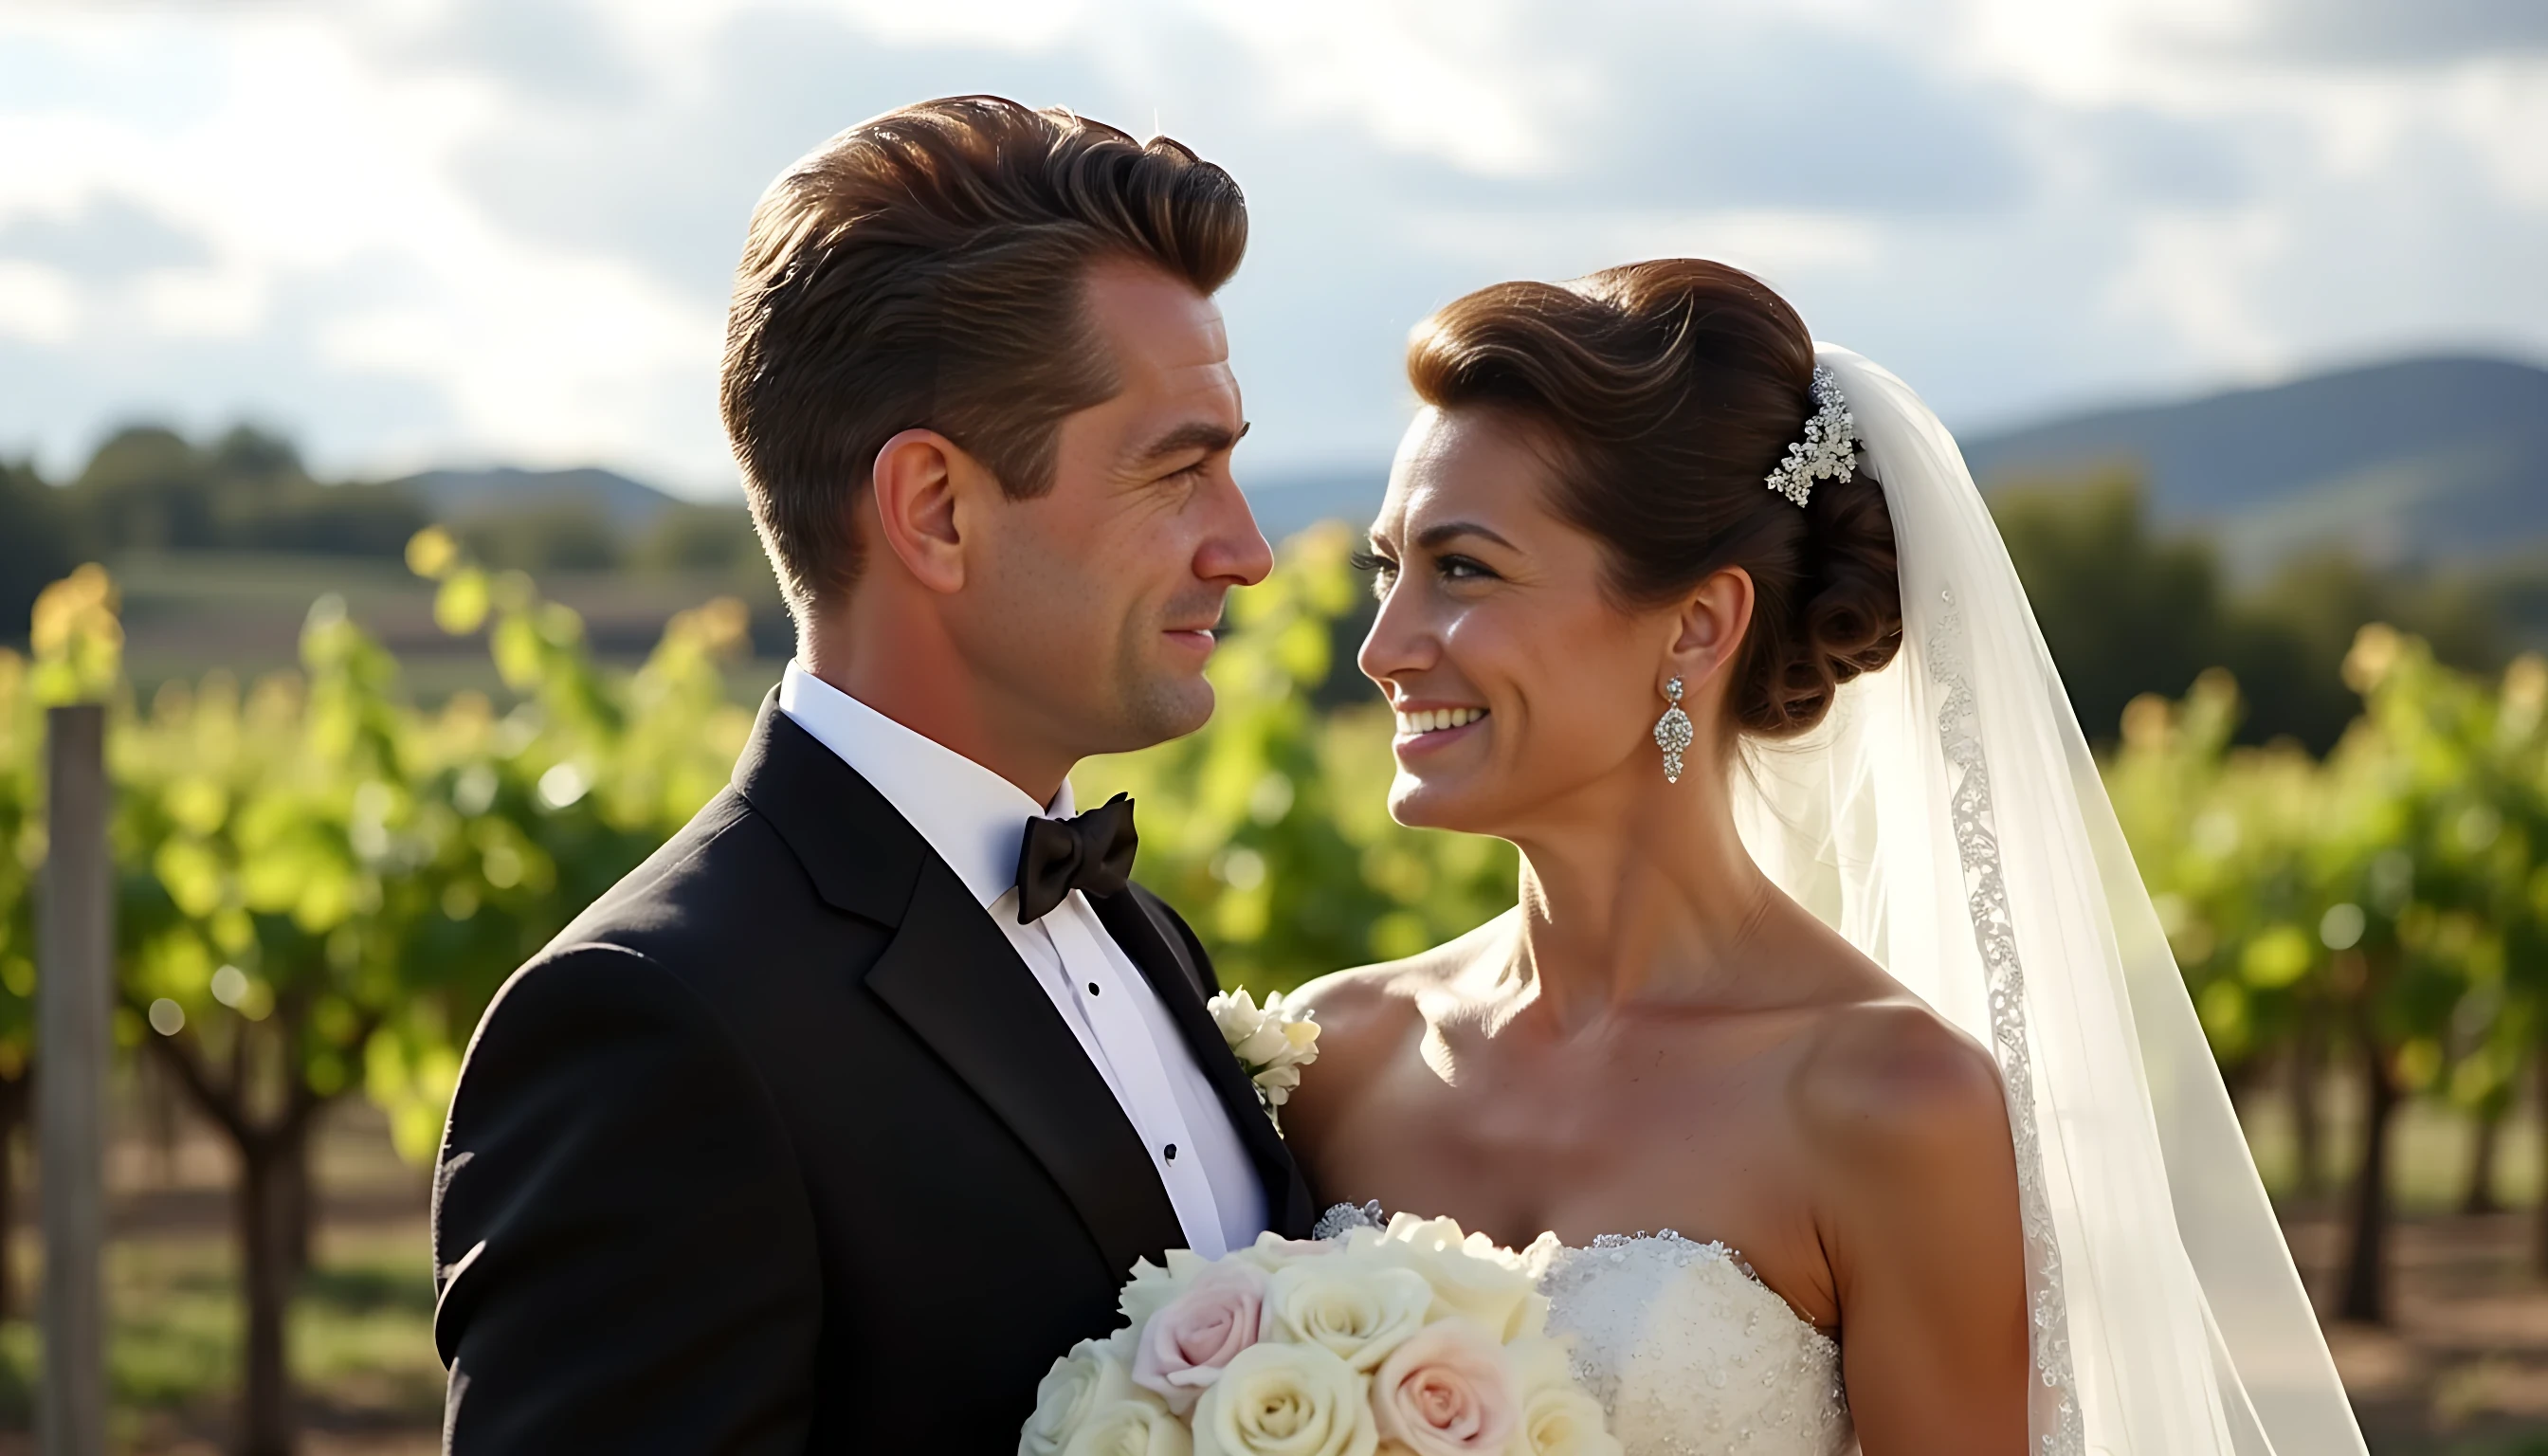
{"x":1672,"y":731}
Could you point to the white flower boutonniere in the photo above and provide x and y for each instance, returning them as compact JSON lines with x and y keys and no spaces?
{"x":1272,"y":1042}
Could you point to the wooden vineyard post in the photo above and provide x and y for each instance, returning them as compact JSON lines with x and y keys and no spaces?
{"x":73,"y":991}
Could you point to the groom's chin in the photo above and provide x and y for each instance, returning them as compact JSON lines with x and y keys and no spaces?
{"x":1168,"y":707}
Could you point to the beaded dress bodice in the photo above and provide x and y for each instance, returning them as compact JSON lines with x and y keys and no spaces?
{"x":1690,"y":1354}
{"x":1688,"y":1351}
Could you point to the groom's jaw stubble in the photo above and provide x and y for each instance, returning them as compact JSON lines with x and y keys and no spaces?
{"x":1145,"y":529}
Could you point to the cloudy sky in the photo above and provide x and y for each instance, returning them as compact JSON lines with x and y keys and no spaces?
{"x":456,"y":232}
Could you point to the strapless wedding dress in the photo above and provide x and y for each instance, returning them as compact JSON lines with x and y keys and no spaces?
{"x":1692,"y":1355}
{"x":1688,"y":1351}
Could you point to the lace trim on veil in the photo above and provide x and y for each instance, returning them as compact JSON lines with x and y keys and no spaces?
{"x":2055,"y":1415}
{"x":1995,"y":936}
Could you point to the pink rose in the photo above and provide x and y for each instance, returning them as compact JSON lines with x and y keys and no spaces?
{"x":1190,"y":1340}
{"x":1446,"y":1392}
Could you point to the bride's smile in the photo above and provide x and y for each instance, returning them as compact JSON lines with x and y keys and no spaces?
{"x":1516,"y":676}
{"x":1589,"y":606}
{"x":1829,"y":1084}
{"x":1422,"y":727}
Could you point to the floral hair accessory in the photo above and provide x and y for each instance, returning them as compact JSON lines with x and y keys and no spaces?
{"x":1829,"y":450}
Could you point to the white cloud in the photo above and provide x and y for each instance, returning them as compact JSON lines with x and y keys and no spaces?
{"x":2501,"y":113}
{"x":36,"y":303}
{"x":422,"y":229}
{"x":202,"y":303}
{"x":495,"y":350}
{"x":2196,"y":273}
{"x":1450,"y":79}
{"x":1777,"y":244}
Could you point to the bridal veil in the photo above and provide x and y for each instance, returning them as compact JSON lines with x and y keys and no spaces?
{"x":1949,"y":819}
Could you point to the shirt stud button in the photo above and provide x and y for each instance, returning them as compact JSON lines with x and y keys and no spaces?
{"x":1092,"y":988}
{"x":1172,"y":1153}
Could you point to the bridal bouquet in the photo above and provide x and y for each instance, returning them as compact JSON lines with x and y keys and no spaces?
{"x":1409,"y":1340}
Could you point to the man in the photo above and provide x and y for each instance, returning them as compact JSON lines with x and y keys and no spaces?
{"x":842,"y":1116}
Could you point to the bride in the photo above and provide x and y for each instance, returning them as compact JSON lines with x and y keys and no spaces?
{"x":1829,"y":955}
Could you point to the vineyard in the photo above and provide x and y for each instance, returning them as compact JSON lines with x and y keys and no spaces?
{"x":321,"y":882}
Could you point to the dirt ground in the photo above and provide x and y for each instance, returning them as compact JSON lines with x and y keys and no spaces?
{"x":2463,"y":1370}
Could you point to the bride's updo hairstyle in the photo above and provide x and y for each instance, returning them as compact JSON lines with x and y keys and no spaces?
{"x":1666,"y":392}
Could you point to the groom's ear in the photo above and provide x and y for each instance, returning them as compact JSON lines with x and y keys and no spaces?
{"x":923,"y":490}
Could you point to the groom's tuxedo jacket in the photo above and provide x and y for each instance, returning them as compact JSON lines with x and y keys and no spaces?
{"x":779,"y":1147}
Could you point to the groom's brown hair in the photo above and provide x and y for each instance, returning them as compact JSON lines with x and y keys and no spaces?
{"x":923,"y":269}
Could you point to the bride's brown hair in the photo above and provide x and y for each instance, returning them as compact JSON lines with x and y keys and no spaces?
{"x":1666,"y":392}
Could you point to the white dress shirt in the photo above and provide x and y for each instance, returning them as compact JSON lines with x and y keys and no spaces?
{"x":976,"y":820}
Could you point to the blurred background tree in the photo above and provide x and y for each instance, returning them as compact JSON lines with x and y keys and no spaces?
{"x":702,"y":538}
{"x":37,"y":546}
{"x":147,"y":487}
{"x":329,"y":863}
{"x":320,"y":885}
{"x":2129,"y":609}
{"x":20,"y":850}
{"x":565,"y":536}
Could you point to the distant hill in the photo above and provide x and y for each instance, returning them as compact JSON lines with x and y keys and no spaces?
{"x":457,"y":495}
{"x":2415,"y":462}
{"x":1286,"y":501}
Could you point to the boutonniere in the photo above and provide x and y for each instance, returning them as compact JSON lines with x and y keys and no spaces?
{"x":1272,"y":1042}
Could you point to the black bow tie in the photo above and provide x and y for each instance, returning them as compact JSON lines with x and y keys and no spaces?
{"x":1091,"y":852}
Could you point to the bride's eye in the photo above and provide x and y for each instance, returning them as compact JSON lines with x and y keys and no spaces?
{"x":1379,"y":567}
{"x":1463,"y":569}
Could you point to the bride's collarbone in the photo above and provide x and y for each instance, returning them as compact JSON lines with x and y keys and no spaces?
{"x":1707,"y":1182}
{"x":1695,"y":1122}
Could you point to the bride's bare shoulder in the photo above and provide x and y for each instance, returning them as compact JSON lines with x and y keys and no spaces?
{"x":1390,"y":992}
{"x":1892,"y":1088}
{"x":1916,"y":1208}
{"x":1369,"y":1012}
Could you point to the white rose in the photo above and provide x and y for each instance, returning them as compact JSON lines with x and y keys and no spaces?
{"x":1272,"y":1251}
{"x":1300,"y":1034}
{"x":1472,"y":1277}
{"x":1261,"y":1047}
{"x":1282,"y":1400}
{"x":1357,"y":1309}
{"x":1130,"y":1429}
{"x":1561,"y":1420}
{"x":1539,"y":1361}
{"x":1092,"y":1377}
{"x":1275,"y":1036}
{"x":1277,"y":1082}
{"x":1245,"y":1027}
{"x":1558,"y":1417}
{"x":1539,"y":1256}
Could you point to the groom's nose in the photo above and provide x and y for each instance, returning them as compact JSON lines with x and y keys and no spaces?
{"x":1233,"y":550}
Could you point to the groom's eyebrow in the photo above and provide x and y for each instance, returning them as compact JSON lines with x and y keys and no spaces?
{"x":1209,"y":436}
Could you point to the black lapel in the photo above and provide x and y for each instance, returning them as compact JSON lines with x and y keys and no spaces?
{"x":954,"y":979}
{"x":861,"y":854}
{"x":1158,"y":949}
